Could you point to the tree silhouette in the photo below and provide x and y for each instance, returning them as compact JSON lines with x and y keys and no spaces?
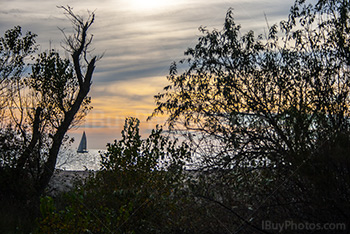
{"x":38,"y":109}
{"x":273,"y":109}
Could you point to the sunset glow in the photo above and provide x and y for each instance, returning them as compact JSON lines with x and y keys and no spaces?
{"x":139,"y":40}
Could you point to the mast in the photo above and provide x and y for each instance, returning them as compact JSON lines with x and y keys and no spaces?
{"x":83,"y":144}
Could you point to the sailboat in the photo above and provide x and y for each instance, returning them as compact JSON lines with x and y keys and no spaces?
{"x":83,"y":144}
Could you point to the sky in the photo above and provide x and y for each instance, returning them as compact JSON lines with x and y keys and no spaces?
{"x":139,"y":40}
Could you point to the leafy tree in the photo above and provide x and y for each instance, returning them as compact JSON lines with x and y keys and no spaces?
{"x":14,"y":48}
{"x":38,"y":109}
{"x":271,"y":111}
{"x":136,"y":190}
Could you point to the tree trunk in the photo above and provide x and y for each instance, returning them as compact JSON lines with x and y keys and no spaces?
{"x":50,"y":164}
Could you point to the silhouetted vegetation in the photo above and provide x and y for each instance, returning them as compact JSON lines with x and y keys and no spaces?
{"x":268,"y":116}
{"x":37,"y":109}
{"x":263,"y":122}
{"x":137,"y":190}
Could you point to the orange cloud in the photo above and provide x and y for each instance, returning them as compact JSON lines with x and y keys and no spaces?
{"x":112,"y":103}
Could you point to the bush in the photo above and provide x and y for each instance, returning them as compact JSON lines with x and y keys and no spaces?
{"x":136,"y":190}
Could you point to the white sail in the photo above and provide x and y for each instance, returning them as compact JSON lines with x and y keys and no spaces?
{"x":83,"y":144}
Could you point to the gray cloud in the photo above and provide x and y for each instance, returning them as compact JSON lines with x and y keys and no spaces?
{"x":137,"y":43}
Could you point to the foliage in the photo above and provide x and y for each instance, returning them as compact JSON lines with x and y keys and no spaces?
{"x":136,"y":190}
{"x":274,"y":108}
{"x":55,"y":87}
{"x":14,"y":48}
{"x":258,"y":96}
{"x":42,"y":96}
{"x":14,"y":51}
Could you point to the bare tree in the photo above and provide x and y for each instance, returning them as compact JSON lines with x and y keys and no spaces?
{"x":43,"y":106}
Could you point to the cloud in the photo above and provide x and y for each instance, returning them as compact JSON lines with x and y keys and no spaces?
{"x":139,"y":44}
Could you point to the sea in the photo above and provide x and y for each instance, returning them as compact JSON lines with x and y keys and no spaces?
{"x":70,"y":160}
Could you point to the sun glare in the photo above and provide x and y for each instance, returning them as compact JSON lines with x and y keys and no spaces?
{"x":148,"y":4}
